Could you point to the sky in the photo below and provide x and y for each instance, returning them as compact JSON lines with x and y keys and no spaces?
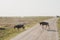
{"x":29,"y":7}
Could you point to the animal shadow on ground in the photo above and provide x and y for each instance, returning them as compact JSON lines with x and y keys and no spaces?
{"x":2,"y":28}
{"x":51,"y":30}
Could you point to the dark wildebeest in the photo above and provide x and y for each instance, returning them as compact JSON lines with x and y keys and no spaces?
{"x":44,"y":23}
{"x":2,"y":28}
{"x":57,"y":16}
{"x":19,"y":26}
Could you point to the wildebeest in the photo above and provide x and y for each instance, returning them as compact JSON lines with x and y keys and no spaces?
{"x":2,"y":28}
{"x":44,"y":23}
{"x":57,"y":16}
{"x":19,"y":26}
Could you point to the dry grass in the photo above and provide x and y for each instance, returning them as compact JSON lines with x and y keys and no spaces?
{"x":59,"y":27}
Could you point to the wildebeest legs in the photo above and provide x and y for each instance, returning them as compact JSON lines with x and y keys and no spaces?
{"x":47,"y":26}
{"x":42,"y":26}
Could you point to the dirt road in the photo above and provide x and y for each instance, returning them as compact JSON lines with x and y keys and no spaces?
{"x":37,"y":33}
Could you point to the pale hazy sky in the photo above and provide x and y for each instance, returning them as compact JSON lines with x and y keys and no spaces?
{"x":29,"y":7}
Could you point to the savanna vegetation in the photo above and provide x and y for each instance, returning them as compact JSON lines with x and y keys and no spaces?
{"x":7,"y":23}
{"x":59,"y":27}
